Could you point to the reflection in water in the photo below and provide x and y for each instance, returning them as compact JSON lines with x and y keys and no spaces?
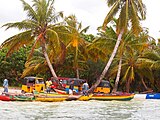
{"x":81,"y":110}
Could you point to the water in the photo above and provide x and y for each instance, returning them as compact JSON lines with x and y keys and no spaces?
{"x":136,"y":109}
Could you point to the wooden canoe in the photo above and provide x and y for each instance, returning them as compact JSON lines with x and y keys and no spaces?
{"x":79,"y":96}
{"x":50,"y":97}
{"x":85,"y":97}
{"x":7,"y":97}
{"x":24,"y":98}
{"x":109,"y":97}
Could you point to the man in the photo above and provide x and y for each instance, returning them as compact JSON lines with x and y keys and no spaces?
{"x":85,"y":87}
{"x":48,"y":84}
{"x":5,"y":85}
{"x":71,"y":87}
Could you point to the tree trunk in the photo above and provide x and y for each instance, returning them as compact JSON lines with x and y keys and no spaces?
{"x":48,"y":62}
{"x":118,"y":76}
{"x":144,"y":84}
{"x":127,"y":85}
{"x":108,"y":64}
{"x":77,"y":73}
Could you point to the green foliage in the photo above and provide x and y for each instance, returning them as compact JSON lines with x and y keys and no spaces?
{"x":11,"y":67}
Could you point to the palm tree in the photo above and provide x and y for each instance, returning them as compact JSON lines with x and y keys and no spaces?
{"x":130,"y":12}
{"x":36,"y":64}
{"x":134,"y":65}
{"x":76,"y":42}
{"x":39,"y":29}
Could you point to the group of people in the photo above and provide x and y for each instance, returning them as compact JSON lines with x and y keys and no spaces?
{"x":85,"y":87}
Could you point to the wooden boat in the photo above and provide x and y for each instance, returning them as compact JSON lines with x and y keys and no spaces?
{"x":6,"y":97}
{"x":60,"y":91}
{"x":108,"y":97}
{"x":85,"y":97}
{"x":73,"y":97}
{"x":24,"y":97}
{"x":16,"y":97}
{"x":80,"y":97}
{"x":50,"y":97}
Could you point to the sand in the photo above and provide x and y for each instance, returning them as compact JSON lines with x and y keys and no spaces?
{"x":11,"y":90}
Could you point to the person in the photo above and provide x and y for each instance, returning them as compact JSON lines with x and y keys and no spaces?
{"x":71,"y":87}
{"x":85,"y":87}
{"x":5,"y":85}
{"x":48,"y":84}
{"x":37,"y":81}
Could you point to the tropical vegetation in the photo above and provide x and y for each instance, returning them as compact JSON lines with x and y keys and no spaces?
{"x":51,"y":45}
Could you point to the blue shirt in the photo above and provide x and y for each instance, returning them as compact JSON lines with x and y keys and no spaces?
{"x":5,"y":83}
{"x":85,"y":86}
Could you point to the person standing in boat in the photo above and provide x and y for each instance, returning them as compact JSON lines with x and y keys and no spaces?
{"x":71,"y":87}
{"x":85,"y":87}
{"x":48,"y":86}
{"x":5,"y":85}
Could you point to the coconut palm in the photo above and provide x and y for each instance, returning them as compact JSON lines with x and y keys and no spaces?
{"x":39,"y":29}
{"x":130,"y":13}
{"x":76,"y":42}
{"x":131,"y":51}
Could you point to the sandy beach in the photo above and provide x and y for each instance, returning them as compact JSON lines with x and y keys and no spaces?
{"x":11,"y":90}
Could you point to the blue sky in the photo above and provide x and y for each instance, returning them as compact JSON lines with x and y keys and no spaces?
{"x":89,"y":12}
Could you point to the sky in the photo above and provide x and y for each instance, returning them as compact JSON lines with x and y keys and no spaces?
{"x":89,"y":12}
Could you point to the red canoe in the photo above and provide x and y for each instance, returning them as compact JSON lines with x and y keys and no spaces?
{"x":6,"y":97}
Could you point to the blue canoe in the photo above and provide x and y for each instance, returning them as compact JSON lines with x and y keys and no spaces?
{"x":153,"y":96}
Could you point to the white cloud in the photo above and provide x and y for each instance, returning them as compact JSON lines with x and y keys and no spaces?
{"x":89,"y":12}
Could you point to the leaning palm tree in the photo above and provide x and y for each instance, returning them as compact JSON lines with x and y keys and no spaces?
{"x":130,"y":12}
{"x":39,"y":29}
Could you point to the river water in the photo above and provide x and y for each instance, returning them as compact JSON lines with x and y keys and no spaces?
{"x":136,"y":109}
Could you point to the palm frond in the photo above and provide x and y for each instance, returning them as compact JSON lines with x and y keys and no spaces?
{"x":141,"y":9}
{"x":111,"y":2}
{"x":30,"y":12}
{"x":123,"y":18}
{"x":24,"y":25}
{"x":111,"y":14}
{"x":135,"y":20}
{"x":17,"y":41}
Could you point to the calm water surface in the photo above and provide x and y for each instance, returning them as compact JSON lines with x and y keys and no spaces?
{"x":81,"y":110}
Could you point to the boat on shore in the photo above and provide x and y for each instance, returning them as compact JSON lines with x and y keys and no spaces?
{"x":6,"y":97}
{"x":16,"y":97}
{"x":109,"y":97}
{"x":76,"y":96}
{"x":153,"y":96}
{"x":50,"y":97}
{"x":79,"y":97}
{"x":24,"y":97}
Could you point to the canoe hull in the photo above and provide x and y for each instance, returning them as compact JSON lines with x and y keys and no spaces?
{"x":153,"y":96}
{"x":50,"y":97}
{"x":85,"y":98}
{"x":23,"y":98}
{"x":7,"y":97}
{"x":113,"y":97}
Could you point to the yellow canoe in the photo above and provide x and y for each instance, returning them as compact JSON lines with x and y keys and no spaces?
{"x":85,"y":98}
{"x":50,"y":97}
